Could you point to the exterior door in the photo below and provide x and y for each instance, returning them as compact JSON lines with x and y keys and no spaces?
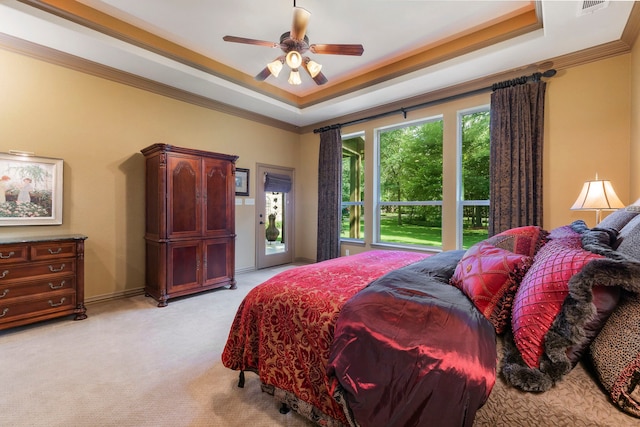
{"x":274,"y":219}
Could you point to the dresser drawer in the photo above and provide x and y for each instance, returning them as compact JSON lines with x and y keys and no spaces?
{"x":48,"y":250}
{"x":34,"y":269}
{"x":53,"y":284}
{"x":13,"y":310}
{"x":13,"y":253}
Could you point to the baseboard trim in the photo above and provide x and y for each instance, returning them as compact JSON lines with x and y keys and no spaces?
{"x":140,"y":291}
{"x":114,"y":296}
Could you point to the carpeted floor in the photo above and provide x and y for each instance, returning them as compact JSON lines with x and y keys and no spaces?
{"x":131,"y":363}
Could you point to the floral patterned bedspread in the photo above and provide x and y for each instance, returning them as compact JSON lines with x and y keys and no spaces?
{"x":284,"y":328}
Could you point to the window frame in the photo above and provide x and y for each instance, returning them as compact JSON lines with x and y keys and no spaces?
{"x":460,"y":202}
{"x":361,"y":203}
{"x":377,"y":203}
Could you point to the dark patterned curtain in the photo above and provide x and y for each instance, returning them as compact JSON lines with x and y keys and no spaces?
{"x":329,"y":194}
{"x":517,"y":132}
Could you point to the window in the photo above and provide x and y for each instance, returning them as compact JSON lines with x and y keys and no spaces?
{"x":352,"y":187}
{"x":473,"y":200}
{"x":409,"y":199}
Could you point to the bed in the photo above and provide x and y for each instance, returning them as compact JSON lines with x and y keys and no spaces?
{"x":399,"y":338}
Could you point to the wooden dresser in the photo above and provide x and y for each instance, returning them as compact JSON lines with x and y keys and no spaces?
{"x":190,"y":221}
{"x":41,"y":278}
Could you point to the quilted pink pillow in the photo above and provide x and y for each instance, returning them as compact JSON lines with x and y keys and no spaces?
{"x":542,"y":292}
{"x":520,"y":240}
{"x":489,"y":276}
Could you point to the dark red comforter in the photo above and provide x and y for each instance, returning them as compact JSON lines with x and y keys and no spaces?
{"x":411,"y":350}
{"x":284,"y":327}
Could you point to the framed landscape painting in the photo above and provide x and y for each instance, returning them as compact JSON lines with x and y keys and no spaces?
{"x":30,"y":190}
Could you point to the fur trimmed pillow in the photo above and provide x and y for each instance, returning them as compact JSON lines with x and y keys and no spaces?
{"x":520,"y":240}
{"x":593,"y":293}
{"x":489,"y":277}
{"x":541,"y":294}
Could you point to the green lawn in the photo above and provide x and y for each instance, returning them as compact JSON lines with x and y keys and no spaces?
{"x":411,"y":234}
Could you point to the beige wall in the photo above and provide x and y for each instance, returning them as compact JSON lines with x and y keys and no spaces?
{"x":587,"y":132}
{"x":98,"y":127}
{"x":588,"y":125}
{"x":635,"y":121}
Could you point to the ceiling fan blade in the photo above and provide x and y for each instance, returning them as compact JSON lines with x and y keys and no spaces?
{"x":235,"y":39}
{"x":337,"y":49}
{"x":262,"y":75}
{"x":320,"y":79}
{"x":300,"y":21}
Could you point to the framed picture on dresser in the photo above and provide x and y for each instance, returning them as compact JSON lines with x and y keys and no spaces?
{"x":30,"y":190}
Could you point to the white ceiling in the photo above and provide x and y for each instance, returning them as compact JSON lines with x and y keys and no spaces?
{"x":387,"y":29}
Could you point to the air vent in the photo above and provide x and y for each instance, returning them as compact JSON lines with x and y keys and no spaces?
{"x":590,"y":6}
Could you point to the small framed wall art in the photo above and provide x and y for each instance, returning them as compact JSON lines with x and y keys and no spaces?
{"x":30,"y":190}
{"x":242,"y":182}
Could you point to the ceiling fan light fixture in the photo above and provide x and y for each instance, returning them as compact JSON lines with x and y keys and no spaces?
{"x":275,"y":67}
{"x":294,"y":59}
{"x":294,"y":77}
{"x":313,"y":67}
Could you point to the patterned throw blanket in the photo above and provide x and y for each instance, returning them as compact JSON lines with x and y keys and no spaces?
{"x":284,"y":328}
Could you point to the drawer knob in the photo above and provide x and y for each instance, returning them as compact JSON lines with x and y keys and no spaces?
{"x":4,"y":293}
{"x":57,"y":251}
{"x":7,"y":256}
{"x":54,"y":270}
{"x":4,"y":312}
{"x":4,"y":274}
{"x":52,"y":286}
{"x":53,"y":304}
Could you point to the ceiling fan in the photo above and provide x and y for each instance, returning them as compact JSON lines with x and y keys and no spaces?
{"x":295,"y":44}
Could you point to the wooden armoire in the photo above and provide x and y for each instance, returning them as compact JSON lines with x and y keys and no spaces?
{"x":190,"y":221}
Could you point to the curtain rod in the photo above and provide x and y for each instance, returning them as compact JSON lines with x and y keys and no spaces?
{"x":535,"y":77}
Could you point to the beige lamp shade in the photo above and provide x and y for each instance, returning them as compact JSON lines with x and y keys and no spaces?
{"x":596,"y":196}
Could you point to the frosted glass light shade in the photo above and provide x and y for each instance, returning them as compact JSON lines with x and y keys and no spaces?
{"x":294,"y":78}
{"x":314,"y":68}
{"x":275,"y":67}
{"x":294,"y":59}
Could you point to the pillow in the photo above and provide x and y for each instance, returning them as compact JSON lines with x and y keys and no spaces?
{"x":628,"y":241}
{"x":541,"y":294}
{"x":634,"y":207}
{"x":615,"y":354}
{"x":520,"y":240}
{"x":617,"y":219}
{"x":593,"y":293}
{"x":489,"y":276}
{"x":569,"y":234}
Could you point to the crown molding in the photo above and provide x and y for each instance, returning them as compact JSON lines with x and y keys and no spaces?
{"x":607,"y":50}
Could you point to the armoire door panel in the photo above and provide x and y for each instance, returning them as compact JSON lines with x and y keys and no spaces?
{"x":217,"y":177}
{"x":218,"y":255}
{"x":184,"y":190}
{"x":184,"y":266}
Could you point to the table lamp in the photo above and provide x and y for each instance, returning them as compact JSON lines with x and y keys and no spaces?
{"x":597,"y":195}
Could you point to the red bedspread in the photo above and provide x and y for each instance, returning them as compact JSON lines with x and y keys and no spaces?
{"x":284,"y":328}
